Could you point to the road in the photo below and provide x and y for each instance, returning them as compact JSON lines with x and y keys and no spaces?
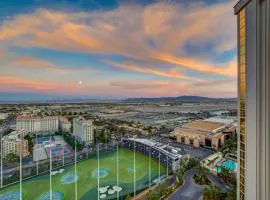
{"x":192,"y":191}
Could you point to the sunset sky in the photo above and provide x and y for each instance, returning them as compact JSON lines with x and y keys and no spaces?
{"x":117,"y":48}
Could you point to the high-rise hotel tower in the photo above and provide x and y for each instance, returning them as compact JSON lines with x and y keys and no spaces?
{"x":253,"y":18}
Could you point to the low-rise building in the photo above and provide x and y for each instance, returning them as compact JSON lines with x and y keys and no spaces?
{"x":15,"y":143}
{"x":167,"y":155}
{"x":83,"y":130}
{"x":204,"y":133}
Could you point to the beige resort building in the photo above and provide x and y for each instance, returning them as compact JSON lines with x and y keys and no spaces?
{"x":202,"y":133}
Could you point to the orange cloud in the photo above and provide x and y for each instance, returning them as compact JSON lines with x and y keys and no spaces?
{"x":28,"y":62}
{"x":32,"y":62}
{"x":173,"y":73}
{"x":111,"y":31}
{"x":229,"y":69}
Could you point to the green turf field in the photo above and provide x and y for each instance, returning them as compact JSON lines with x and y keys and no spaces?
{"x":87,"y":181}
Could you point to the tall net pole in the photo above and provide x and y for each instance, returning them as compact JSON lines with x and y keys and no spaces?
{"x":1,"y":160}
{"x":117,"y":168}
{"x":76,"y":189}
{"x":36,"y":155}
{"x":134,"y":161}
{"x":167,"y":167}
{"x":98,"y":167}
{"x":51,"y":166}
{"x":63,"y":155}
{"x":149,"y":166}
{"x":21,"y":169}
{"x":159,"y":166}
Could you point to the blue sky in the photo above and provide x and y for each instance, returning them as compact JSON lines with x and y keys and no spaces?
{"x":117,"y":48}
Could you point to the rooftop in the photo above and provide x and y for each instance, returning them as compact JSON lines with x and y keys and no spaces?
{"x":83,"y":121}
{"x":240,"y":4}
{"x":207,"y":126}
{"x":34,"y":117}
{"x":171,"y":151}
{"x":63,"y":119}
{"x":224,"y":120}
{"x":13,"y":136}
{"x":189,"y":132}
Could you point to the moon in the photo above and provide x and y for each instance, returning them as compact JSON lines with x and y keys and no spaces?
{"x":80,"y":82}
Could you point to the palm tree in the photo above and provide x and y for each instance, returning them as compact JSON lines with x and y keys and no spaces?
{"x":232,"y":195}
{"x":128,"y":197}
{"x":212,"y":193}
{"x":201,"y":175}
{"x":180,"y":176}
{"x":201,"y":171}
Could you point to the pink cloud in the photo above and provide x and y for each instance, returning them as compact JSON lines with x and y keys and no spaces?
{"x":19,"y":84}
{"x":159,"y":88}
{"x":112,"y":32}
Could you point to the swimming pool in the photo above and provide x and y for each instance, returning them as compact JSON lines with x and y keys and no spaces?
{"x":43,"y":139}
{"x":228,"y":164}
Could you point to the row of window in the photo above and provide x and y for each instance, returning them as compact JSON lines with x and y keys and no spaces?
{"x":242,"y":82}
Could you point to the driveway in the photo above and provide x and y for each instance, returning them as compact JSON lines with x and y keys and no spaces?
{"x":191,"y":191}
{"x":215,"y":180}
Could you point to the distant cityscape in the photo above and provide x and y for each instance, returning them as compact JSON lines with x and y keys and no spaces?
{"x":48,"y":138}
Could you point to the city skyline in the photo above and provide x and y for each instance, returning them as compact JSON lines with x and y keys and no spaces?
{"x":117,"y":49}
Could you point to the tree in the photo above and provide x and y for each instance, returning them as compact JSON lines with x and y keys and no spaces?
{"x":95,"y":136}
{"x":128,"y":197}
{"x":12,"y":158}
{"x":200,"y":176}
{"x":121,"y":130}
{"x":213,"y":193}
{"x":180,"y":176}
{"x":152,"y":196}
{"x":149,"y":129}
{"x":191,"y":163}
{"x":228,"y":177}
{"x":30,"y":143}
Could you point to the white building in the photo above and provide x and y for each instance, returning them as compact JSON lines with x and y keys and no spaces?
{"x":83,"y":130}
{"x":36,"y":124}
{"x":64,"y":124}
{"x":14,"y":143}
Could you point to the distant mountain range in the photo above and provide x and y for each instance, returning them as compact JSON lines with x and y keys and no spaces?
{"x":180,"y":99}
{"x":25,"y":98}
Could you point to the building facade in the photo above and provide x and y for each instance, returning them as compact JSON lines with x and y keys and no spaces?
{"x":165,"y":154}
{"x":83,"y":130}
{"x":15,"y":143}
{"x":64,"y":124}
{"x":36,"y":124}
{"x":204,"y":133}
{"x":253,"y":18}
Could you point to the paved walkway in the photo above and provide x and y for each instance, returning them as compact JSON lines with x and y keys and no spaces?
{"x":191,"y":191}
